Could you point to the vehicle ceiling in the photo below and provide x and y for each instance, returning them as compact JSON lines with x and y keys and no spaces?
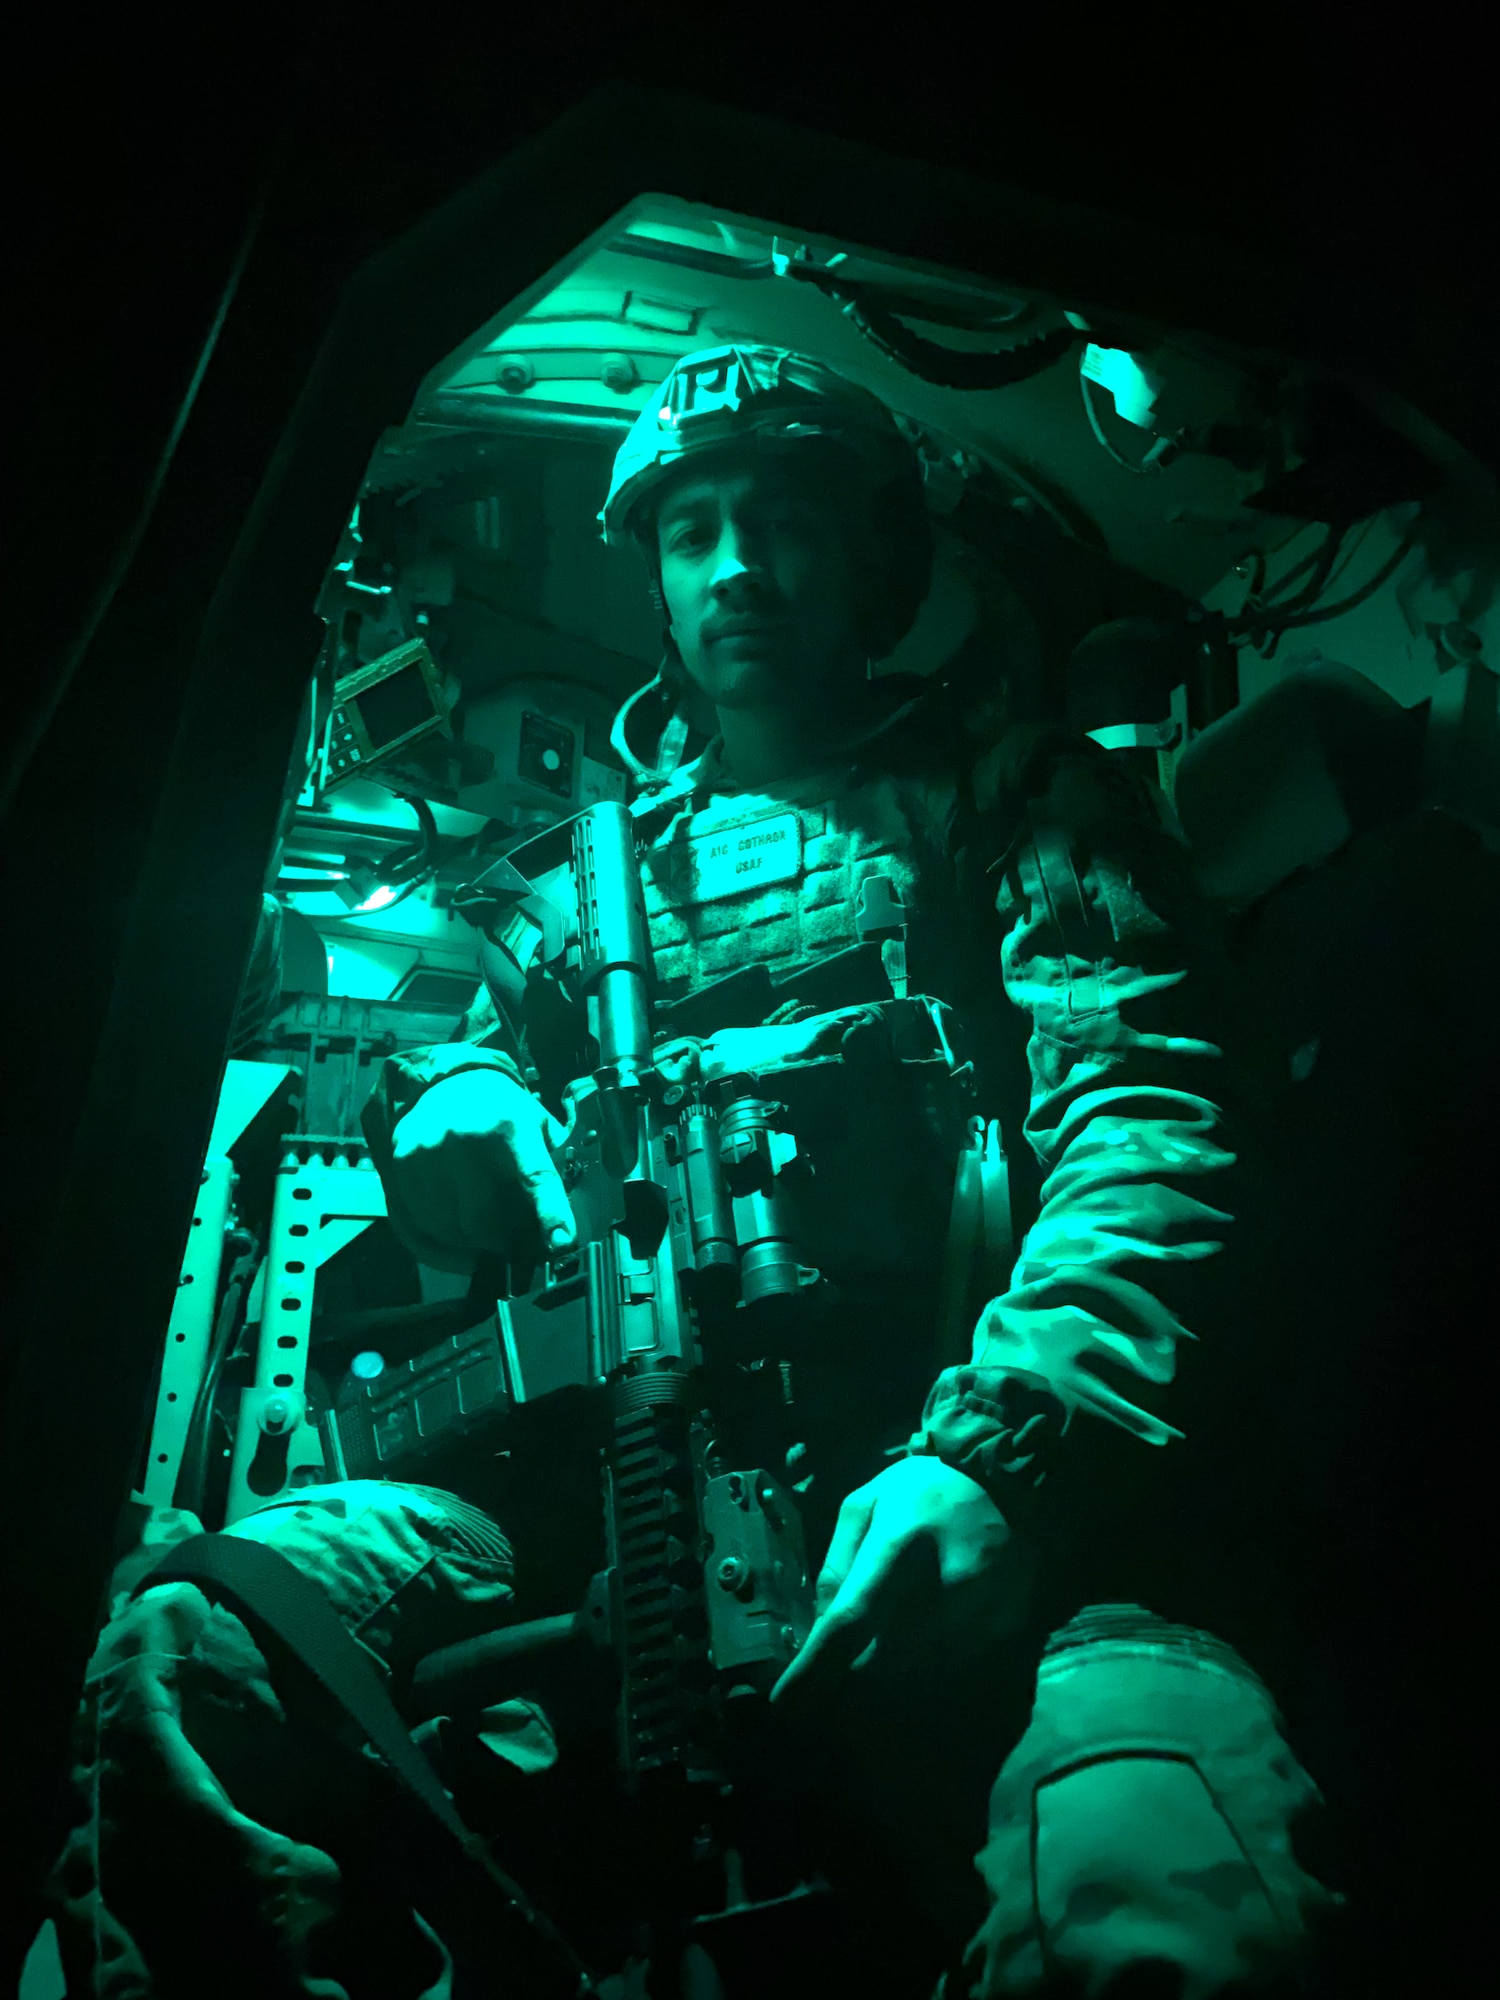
{"x":505,"y":461}
{"x":482,"y":508}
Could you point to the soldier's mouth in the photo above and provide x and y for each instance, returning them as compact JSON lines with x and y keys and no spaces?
{"x":747,"y":628}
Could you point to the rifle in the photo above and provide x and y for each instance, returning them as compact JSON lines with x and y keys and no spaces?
{"x":670,"y":1312}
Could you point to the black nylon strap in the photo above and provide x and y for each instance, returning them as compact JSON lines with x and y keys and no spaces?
{"x":275,"y":1597}
{"x":278,"y":1596}
{"x":1048,"y":862}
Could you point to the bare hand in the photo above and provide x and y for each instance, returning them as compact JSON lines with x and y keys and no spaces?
{"x":920,"y":1545}
{"x":472,"y":1174}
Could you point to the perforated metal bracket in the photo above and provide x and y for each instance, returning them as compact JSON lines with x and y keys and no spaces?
{"x":327,"y":1193}
{"x":188,"y":1332}
{"x":246,"y":1089}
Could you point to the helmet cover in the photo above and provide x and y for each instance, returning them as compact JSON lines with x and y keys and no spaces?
{"x":774,"y":399}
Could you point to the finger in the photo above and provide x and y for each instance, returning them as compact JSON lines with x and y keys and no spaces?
{"x":850,"y":1624}
{"x":835,"y":1642}
{"x":532,"y":1165}
{"x":853,"y":1525}
{"x":677,"y":1060}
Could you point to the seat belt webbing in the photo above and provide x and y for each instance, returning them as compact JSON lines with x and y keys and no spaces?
{"x":290,"y":1605}
{"x":274,"y":1595}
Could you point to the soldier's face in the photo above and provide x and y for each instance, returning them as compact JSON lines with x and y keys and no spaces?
{"x":757,"y":574}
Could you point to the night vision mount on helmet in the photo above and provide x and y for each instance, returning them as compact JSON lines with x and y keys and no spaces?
{"x":726,"y":395}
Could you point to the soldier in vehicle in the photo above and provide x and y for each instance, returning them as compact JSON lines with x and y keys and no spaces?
{"x":1144,"y":1815}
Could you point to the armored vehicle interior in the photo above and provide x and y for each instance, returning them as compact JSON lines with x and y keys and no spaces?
{"x":1315,"y":555}
{"x":1081,"y":470}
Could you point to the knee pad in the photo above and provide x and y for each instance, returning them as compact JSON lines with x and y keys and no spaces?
{"x":1141,"y":1832}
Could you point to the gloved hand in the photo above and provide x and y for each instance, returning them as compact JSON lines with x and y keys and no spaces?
{"x":921,"y":1550}
{"x":753,"y":1051}
{"x":472,"y":1174}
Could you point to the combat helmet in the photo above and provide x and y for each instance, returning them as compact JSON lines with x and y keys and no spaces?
{"x":773,"y":399}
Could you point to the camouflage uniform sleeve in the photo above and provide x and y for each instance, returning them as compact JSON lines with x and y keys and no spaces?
{"x":483,"y":1039}
{"x":1107,"y":949}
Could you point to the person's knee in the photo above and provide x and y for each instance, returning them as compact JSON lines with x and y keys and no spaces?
{"x":1139,"y":1878}
{"x":1141,"y":1832}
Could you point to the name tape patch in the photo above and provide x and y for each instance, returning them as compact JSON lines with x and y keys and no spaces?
{"x":734,"y":859}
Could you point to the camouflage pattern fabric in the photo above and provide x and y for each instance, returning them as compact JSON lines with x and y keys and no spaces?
{"x":1100,"y":927}
{"x":217,"y":1846}
{"x":1142,"y":1827}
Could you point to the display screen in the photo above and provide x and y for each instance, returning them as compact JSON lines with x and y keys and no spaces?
{"x":395,"y":706}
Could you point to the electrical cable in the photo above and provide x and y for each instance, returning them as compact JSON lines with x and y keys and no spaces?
{"x":716,"y":263}
{"x":1330,"y":559}
{"x":1297,"y":570}
{"x":422,"y":855}
{"x":930,"y":360}
{"x":407,"y":869}
{"x":411,"y":867}
{"x":713,"y":263}
{"x":1347,"y":553}
{"x":889,"y":301}
{"x":1321,"y":615}
{"x":1365,"y":591}
{"x":1317,"y":582}
{"x":379,"y":909}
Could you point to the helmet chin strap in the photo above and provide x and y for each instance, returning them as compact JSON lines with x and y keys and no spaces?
{"x":673,"y":739}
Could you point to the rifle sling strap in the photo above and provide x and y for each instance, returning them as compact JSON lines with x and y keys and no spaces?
{"x":276,"y":1599}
